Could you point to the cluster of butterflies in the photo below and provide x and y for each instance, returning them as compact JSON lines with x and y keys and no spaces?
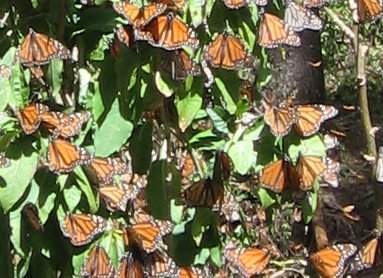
{"x":337,"y":260}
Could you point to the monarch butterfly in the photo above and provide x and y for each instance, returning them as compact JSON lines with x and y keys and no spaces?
{"x":204,"y":193}
{"x":248,"y":261}
{"x":97,"y":264}
{"x":37,"y":73}
{"x":330,"y":141}
{"x":63,"y":156}
{"x":63,"y":125}
{"x":278,"y":118}
{"x":159,"y":264}
{"x":299,"y":18}
{"x":39,"y":49}
{"x":191,"y":272}
{"x":226,"y":51}
{"x":330,"y":175}
{"x":168,"y":32}
{"x":235,"y":4}
{"x":81,"y":228}
{"x":365,"y":257}
{"x":106,"y":168}
{"x":130,"y":267}
{"x":279,"y":174}
{"x":173,"y":4}
{"x":4,"y":161}
{"x":310,"y":117}
{"x":146,"y":232}
{"x":369,"y":9}
{"x":273,"y":32}
{"x":31,"y":214}
{"x":230,"y":208}
{"x":5,"y":71}
{"x":184,"y":65}
{"x":330,"y":262}
{"x":139,"y":16}
{"x":30,"y":116}
{"x":314,"y":3}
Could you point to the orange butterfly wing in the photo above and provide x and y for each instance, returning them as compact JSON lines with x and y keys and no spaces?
{"x":235,"y":4}
{"x":279,"y":119}
{"x":39,"y":49}
{"x":82,"y":228}
{"x":168,"y":32}
{"x":159,"y":264}
{"x":310,"y":117}
{"x":369,"y":9}
{"x":139,"y":16}
{"x":191,"y":272}
{"x":30,"y":117}
{"x":226,"y":51}
{"x":249,"y":261}
{"x":275,"y":176}
{"x":204,"y":193}
{"x":115,"y":197}
{"x":97,"y":264}
{"x":63,"y":156}
{"x":308,"y":169}
{"x":273,"y":32}
{"x":369,"y":252}
{"x":63,"y":125}
{"x":130,"y":267}
{"x":106,"y":168}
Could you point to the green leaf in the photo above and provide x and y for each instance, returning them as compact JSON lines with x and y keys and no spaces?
{"x":113,"y":133}
{"x":216,"y":114}
{"x":311,"y":146}
{"x":163,"y":87}
{"x":215,"y":254}
{"x":243,"y":156}
{"x":72,"y":197}
{"x":196,"y":8}
{"x":187,"y":109}
{"x":141,"y":157}
{"x":266,"y":199}
{"x":54,"y":75}
{"x":25,"y":166}
{"x":309,"y":205}
{"x":231,"y":107}
{"x":176,"y":211}
{"x":85,"y":187}
{"x":202,"y":257}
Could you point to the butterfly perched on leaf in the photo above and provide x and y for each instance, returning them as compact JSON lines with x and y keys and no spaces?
{"x":97,"y":264}
{"x":40,"y":49}
{"x":169,"y":32}
{"x":30,"y":116}
{"x":63,"y":156}
{"x":105,"y":169}
{"x":299,"y":18}
{"x":146,"y":232}
{"x":226,"y":51}
{"x":248,"y":261}
{"x":158,"y":264}
{"x":274,"y":32}
{"x":139,"y":16}
{"x":130,"y":266}
{"x":332,"y":261}
{"x":64,"y":125}
{"x":369,"y":10}
{"x":82,"y":228}
{"x":279,"y":174}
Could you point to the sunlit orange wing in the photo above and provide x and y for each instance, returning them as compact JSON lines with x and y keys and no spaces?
{"x":310,"y":117}
{"x":275,"y":176}
{"x":226,"y":51}
{"x":191,"y":272}
{"x":369,"y":9}
{"x":39,"y":49}
{"x":97,"y":264}
{"x":168,"y":32}
{"x":249,"y":261}
{"x":139,"y":16}
{"x":30,"y":117}
{"x":130,"y":267}
{"x":115,"y":197}
{"x":106,"y":168}
{"x":280,"y":119}
{"x":63,"y":156}
{"x":273,"y":32}
{"x":82,"y":228}
{"x":308,"y":168}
